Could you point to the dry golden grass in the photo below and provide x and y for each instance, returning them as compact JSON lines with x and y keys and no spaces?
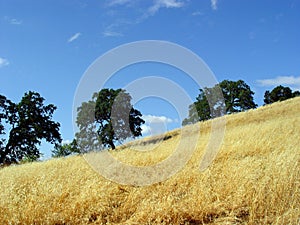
{"x":255,"y":179}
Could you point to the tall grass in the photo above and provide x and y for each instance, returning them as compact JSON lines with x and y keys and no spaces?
{"x":255,"y":179}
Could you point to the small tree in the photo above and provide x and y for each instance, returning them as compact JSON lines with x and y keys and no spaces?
{"x":62,"y":150}
{"x":279,"y":93}
{"x":296,"y":93}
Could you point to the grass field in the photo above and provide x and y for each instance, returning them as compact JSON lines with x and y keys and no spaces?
{"x":255,"y":179}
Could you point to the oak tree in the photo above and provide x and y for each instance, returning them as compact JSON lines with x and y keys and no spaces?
{"x":224,"y":98}
{"x":114,"y":120}
{"x":30,"y":122}
{"x":279,"y":93}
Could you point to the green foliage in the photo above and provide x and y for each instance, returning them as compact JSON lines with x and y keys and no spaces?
{"x":200,"y":110}
{"x":107,"y":118}
{"x":2,"y":130}
{"x":87,"y":137}
{"x":236,"y":94}
{"x":7,"y":112}
{"x":30,"y":121}
{"x":296,"y":93}
{"x":279,"y":93}
{"x":62,"y":150}
{"x":29,"y":159}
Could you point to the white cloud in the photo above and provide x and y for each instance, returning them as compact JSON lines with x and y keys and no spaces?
{"x":164,"y":4}
{"x":74,"y":37}
{"x":146,"y":129}
{"x":293,"y":82}
{"x":153,"y":129}
{"x":157,"y":119}
{"x":197,"y":13}
{"x":214,"y":5}
{"x":3,"y":62}
{"x":157,"y":4}
{"x":111,"y":34}
{"x":155,"y":124}
{"x":115,"y":29}
{"x":15,"y":22}
{"x":66,"y":142}
{"x":287,"y":80}
{"x":118,"y":2}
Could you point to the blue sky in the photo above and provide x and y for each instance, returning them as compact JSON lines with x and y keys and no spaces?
{"x":46,"y":46}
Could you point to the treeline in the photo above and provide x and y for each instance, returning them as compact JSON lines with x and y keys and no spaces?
{"x":108,"y":118}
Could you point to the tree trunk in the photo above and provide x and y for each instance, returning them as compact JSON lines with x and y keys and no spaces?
{"x":112,"y":145}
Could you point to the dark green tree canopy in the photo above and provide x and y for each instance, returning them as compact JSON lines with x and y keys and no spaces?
{"x":114,"y":119}
{"x":3,"y":117}
{"x":238,"y":96}
{"x":225,"y":98}
{"x":30,"y":122}
{"x":279,"y":93}
{"x":200,"y":110}
{"x":296,"y":93}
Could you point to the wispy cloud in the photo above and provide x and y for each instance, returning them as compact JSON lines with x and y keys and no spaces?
{"x":214,"y":4}
{"x":118,"y":2}
{"x":155,"y":6}
{"x":292,"y":81}
{"x":74,"y":37}
{"x":142,"y":13}
{"x":164,"y":4}
{"x":197,"y":13}
{"x":3,"y":62}
{"x":13,"y":21}
{"x":109,"y":33}
{"x":115,"y":29}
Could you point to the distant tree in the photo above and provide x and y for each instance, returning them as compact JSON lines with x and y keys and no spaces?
{"x":62,"y":150}
{"x":237,"y":96}
{"x":296,"y":93}
{"x":107,"y":118}
{"x":30,"y":121}
{"x":279,"y":93}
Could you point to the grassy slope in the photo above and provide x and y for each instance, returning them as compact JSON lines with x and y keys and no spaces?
{"x":255,"y":179}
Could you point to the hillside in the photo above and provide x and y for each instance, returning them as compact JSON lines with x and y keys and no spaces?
{"x":254,"y":179}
